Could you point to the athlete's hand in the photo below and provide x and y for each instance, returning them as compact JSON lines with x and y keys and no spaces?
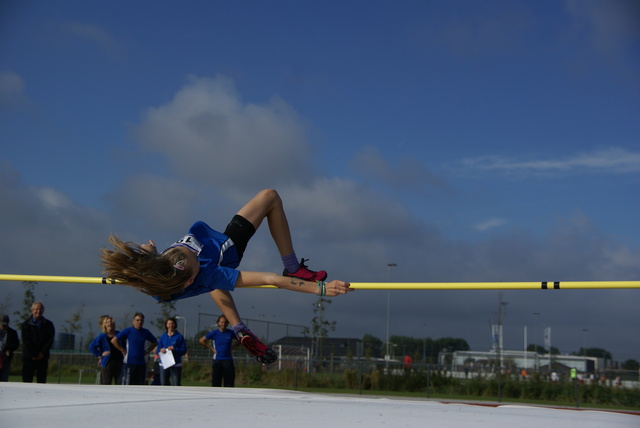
{"x":335,"y":288}
{"x":150,"y":247}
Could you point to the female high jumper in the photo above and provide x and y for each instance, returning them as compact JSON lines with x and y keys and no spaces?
{"x":206,"y":261}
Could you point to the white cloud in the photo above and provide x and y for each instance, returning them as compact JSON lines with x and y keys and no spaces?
{"x":491,"y":223}
{"x":158,"y":202}
{"x":49,"y":233}
{"x":613,"y":26}
{"x":97,"y":36}
{"x":343,"y":210}
{"x":53,"y":199}
{"x":210,"y":135}
{"x":12,"y":92}
{"x":606,"y":161}
{"x":407,"y":174}
{"x":485,"y":28}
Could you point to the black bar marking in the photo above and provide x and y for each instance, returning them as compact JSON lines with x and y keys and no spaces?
{"x":545,"y":285}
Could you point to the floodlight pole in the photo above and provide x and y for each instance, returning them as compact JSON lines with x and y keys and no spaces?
{"x":387,"y":356}
{"x":178,"y":317}
{"x":533,"y":339}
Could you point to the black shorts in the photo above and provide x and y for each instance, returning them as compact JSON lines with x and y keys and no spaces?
{"x":240,"y":230}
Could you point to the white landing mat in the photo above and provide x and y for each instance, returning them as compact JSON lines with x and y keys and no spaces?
{"x":67,"y":406}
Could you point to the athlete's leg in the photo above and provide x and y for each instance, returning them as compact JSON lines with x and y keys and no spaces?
{"x":267,"y":204}
{"x":224,"y":301}
{"x":250,"y":341}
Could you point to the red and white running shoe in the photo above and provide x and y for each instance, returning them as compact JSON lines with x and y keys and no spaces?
{"x":305,"y":273}
{"x":252,"y":344}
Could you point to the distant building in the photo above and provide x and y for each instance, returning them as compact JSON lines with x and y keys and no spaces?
{"x":512,"y":360}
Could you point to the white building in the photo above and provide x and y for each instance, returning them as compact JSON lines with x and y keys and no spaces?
{"x":517,"y":360}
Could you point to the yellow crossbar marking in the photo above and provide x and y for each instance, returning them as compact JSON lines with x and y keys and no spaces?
{"x":49,"y":278}
{"x":494,"y":285}
{"x":563,"y":285}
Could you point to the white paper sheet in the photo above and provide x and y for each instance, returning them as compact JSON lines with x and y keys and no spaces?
{"x":167,"y":359}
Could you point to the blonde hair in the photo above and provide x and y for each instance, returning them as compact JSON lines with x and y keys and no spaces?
{"x":153,"y":274}
{"x":103,"y":323}
{"x":101,"y":320}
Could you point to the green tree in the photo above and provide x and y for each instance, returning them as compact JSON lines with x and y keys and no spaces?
{"x":27,"y":301}
{"x":631,"y":365}
{"x":320,"y":326}
{"x":406,"y":345}
{"x":372,"y":346}
{"x":418,"y":348}
{"x":542,"y":350}
{"x":594,"y":352}
{"x":452,"y":344}
{"x":6,"y":304}
{"x":90,"y":332}
{"x":74,"y":324}
{"x":538,"y":349}
{"x":429,"y":350}
{"x":167,"y":310}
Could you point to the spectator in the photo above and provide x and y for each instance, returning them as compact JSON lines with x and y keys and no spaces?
{"x":171,"y":341}
{"x":408,"y":363}
{"x":109,"y":357}
{"x":222,"y":367}
{"x":9,"y":342}
{"x":37,"y":339}
{"x":135,"y":353}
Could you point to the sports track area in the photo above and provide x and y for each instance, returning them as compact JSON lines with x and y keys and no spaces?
{"x":66,"y":406}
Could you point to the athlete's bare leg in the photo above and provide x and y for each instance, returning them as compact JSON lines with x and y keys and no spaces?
{"x":225,"y":302}
{"x":267,"y":204}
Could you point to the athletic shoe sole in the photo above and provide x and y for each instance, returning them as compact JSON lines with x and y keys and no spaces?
{"x":262,"y":353}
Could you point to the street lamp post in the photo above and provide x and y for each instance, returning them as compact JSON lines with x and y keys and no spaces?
{"x":533,"y":336}
{"x":387,"y":356}
{"x":178,"y":317}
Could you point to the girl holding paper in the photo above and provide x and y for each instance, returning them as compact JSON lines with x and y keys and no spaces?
{"x":171,"y":343}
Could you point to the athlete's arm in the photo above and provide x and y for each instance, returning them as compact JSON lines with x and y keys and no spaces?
{"x":252,"y":279}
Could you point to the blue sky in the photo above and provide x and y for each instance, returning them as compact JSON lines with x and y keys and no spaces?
{"x":464,"y":141}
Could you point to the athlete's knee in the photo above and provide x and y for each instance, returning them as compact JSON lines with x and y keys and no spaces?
{"x":270,"y":197}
